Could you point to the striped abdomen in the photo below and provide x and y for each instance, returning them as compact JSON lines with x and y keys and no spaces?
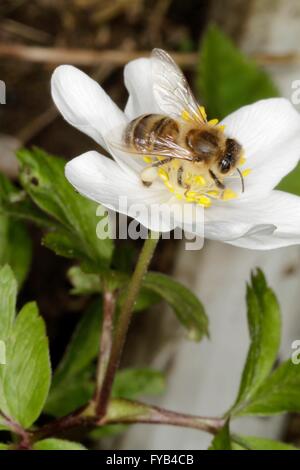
{"x":143,"y":132}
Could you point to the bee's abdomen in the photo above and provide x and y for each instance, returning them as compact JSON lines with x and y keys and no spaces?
{"x":143,"y":132}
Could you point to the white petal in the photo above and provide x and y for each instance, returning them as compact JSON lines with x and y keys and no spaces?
{"x":138,"y":81}
{"x":84,"y":104}
{"x":269,"y":132}
{"x":102,"y":180}
{"x":264,"y":224}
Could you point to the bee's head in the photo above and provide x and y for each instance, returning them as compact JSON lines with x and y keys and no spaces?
{"x":229,"y":158}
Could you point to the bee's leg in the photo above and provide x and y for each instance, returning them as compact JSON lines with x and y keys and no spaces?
{"x":162,"y":162}
{"x":180,"y":175}
{"x":218,"y":183}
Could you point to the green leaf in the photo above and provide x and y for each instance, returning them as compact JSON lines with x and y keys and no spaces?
{"x":109,"y":430}
{"x":291,"y":183}
{"x":84,"y":283}
{"x":17,"y":204}
{"x":222,"y":440}
{"x":187,"y":307}
{"x":42,"y":176}
{"x":70,"y":394}
{"x":278,"y":394}
{"x":131,"y":383}
{"x":8,"y":295}
{"x":25,"y":379}
{"x":264,"y":324}
{"x":260,"y":443}
{"x":4,"y":446}
{"x":71,"y":385}
{"x":57,"y":444}
{"x":226,"y":79}
{"x":15,"y":247}
{"x":64,"y":243}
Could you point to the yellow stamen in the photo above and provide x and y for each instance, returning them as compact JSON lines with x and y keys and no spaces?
{"x":203,"y":112}
{"x":213,"y":193}
{"x":178,"y":196}
{"x":203,"y":201}
{"x":148,"y":159}
{"x":242,"y":160}
{"x":199,"y":180}
{"x":213,"y":122}
{"x":221,"y":127}
{"x":228,"y":194}
{"x":186,"y":115}
{"x":163,"y":174}
{"x":191,"y":194}
{"x":246,"y":172}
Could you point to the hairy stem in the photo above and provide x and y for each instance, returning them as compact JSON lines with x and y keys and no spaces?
{"x":105,"y":345}
{"x":125,"y":317}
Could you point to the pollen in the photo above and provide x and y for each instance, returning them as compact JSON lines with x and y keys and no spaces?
{"x":242,"y":160}
{"x":147,"y":159}
{"x":200,"y":180}
{"x":186,"y":115}
{"x":246,"y":172}
{"x":213,"y":122}
{"x":204,"y":201}
{"x":163,"y":174}
{"x":228,"y":194}
{"x":203,"y":112}
{"x":221,"y":127}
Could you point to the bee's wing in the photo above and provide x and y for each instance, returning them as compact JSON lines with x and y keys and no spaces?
{"x":171,"y":89}
{"x":164,"y":147}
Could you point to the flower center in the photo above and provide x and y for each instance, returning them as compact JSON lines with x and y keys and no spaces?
{"x":189,"y":182}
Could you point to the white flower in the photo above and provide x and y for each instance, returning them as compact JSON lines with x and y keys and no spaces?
{"x":269,"y":132}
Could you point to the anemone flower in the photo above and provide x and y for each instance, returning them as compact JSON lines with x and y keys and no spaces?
{"x":268,"y":131}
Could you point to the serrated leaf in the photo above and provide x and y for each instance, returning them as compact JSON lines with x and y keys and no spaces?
{"x":25,"y":378}
{"x":8,"y":296}
{"x":222,"y":440}
{"x":260,"y":443}
{"x":187,"y":307}
{"x":42,"y":176}
{"x":278,"y":394}
{"x":15,"y":247}
{"x":264,"y":324}
{"x":226,"y":79}
{"x":57,"y":444}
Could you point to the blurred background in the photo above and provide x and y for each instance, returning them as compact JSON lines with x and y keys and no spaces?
{"x":100,"y":37}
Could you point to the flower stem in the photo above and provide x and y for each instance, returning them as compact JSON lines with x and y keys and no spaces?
{"x":124,"y":320}
{"x":109,"y":302}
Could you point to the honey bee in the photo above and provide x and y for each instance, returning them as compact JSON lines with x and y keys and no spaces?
{"x":179,"y":142}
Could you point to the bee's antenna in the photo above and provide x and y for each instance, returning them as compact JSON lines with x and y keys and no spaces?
{"x":242,"y":179}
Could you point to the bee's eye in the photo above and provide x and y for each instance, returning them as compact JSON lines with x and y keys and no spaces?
{"x":225,"y":165}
